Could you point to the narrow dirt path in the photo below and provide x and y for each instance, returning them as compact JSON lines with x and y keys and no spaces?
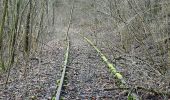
{"x":87,"y":76}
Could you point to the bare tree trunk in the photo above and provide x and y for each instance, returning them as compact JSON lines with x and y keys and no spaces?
{"x":27,"y":31}
{"x":53,"y":14}
{"x":1,"y":33}
{"x":13,"y":41}
{"x":41,"y":21}
{"x":95,"y":21}
{"x":14,"y":34}
{"x":168,"y":42}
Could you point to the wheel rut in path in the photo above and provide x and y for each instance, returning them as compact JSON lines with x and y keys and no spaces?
{"x":87,"y":76}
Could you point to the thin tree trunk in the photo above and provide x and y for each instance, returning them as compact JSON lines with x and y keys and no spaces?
{"x":13,"y":41}
{"x":1,"y":34}
{"x":53,"y":14}
{"x":27,"y":31}
{"x":41,"y":22}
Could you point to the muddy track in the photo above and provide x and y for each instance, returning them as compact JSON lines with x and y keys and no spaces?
{"x":87,"y":76}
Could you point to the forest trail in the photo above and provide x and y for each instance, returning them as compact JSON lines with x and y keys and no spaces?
{"x":87,"y":76}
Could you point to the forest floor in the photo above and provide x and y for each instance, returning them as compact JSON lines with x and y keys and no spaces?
{"x":87,"y":78}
